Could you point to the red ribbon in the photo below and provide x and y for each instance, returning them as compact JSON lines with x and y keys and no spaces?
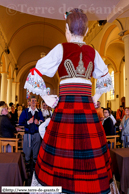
{"x":104,"y":75}
{"x":37,"y":71}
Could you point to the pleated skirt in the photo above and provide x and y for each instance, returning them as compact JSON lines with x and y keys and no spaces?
{"x":74,"y":153}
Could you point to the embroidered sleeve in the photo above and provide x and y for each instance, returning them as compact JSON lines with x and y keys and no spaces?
{"x":34,"y":82}
{"x":104,"y":84}
{"x":48,"y":66}
{"x":104,"y":81}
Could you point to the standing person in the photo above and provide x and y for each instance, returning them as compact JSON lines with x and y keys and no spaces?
{"x":99,"y":111}
{"x":28,"y":103}
{"x":14,"y":116}
{"x":74,"y":152}
{"x":112,"y":117}
{"x":19,"y":111}
{"x":108,"y":123}
{"x":124,"y":125}
{"x":45,"y":112}
{"x":31,"y":119}
{"x":23,"y":106}
{"x":50,"y":111}
{"x":120,"y":114}
{"x":38,"y":106}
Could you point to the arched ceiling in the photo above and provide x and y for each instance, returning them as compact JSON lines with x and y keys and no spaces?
{"x":96,"y":10}
{"x":24,"y":31}
{"x":27,"y":35}
{"x":115,"y":52}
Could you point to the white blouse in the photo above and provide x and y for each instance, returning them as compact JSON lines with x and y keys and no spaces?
{"x":49,"y":64}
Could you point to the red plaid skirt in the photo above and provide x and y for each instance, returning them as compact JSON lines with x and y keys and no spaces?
{"x":74,"y":152}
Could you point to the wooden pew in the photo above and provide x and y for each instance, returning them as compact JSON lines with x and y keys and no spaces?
{"x":112,"y":139}
{"x":13,"y":142}
{"x":20,"y":135}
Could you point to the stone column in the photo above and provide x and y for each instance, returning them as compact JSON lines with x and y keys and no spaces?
{"x":117,"y":89}
{"x":126,"y":45}
{"x":9,"y":90}
{"x":14,"y":92}
{"x":102,"y":100}
{"x":17,"y":91}
{"x":4,"y":86}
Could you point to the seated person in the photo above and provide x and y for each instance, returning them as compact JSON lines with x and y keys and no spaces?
{"x":2,"y":103}
{"x":6,"y":128}
{"x":108,"y":123}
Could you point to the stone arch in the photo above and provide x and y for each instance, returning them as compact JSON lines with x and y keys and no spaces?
{"x":118,"y":24}
{"x":23,"y":69}
{"x":104,"y":39}
{"x":109,"y":29}
{"x":108,"y":60}
{"x":34,"y":23}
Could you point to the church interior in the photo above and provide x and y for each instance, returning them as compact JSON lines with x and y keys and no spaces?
{"x":30,"y":29}
{"x":28,"y":32}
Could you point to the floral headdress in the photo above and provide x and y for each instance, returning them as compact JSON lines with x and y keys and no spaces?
{"x":75,"y":9}
{"x":66,"y":14}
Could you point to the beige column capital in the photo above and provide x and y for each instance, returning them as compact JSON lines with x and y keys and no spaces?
{"x":125,"y":37}
{"x":117,"y":73}
{"x":3,"y":72}
{"x":8,"y":78}
{"x":17,"y":82}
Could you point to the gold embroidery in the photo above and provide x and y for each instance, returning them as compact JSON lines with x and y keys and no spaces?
{"x":89,"y":70}
{"x":70,"y":68}
{"x":80,"y":68}
{"x":73,"y":73}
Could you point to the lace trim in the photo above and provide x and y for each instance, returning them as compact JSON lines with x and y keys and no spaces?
{"x":35,"y":84}
{"x":104,"y":84}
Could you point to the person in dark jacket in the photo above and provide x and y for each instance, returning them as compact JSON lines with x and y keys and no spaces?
{"x":6,"y":128}
{"x":14,"y":116}
{"x":31,"y":118}
{"x":108,"y":123}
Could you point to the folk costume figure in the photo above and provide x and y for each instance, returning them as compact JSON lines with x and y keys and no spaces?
{"x":74,"y":153}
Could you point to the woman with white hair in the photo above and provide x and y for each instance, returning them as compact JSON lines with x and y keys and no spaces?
{"x":6,"y":128}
